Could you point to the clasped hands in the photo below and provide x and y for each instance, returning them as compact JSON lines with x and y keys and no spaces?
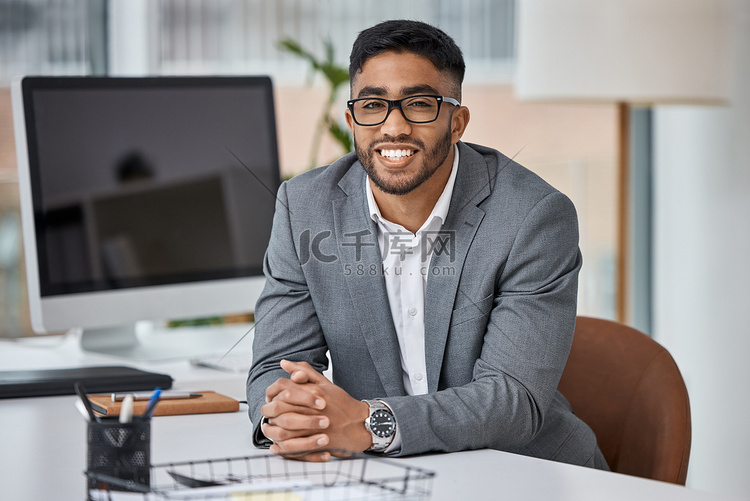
{"x":309,"y":413}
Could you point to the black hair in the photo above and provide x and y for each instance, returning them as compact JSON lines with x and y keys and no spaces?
{"x":409,"y":36}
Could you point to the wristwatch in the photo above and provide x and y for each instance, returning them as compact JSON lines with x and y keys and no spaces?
{"x":381,"y":424}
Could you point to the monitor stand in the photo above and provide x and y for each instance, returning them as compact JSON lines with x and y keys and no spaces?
{"x":145,"y":342}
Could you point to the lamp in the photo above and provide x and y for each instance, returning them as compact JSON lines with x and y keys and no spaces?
{"x":627,"y":52}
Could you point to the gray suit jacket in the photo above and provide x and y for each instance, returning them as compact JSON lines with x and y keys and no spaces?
{"x":499,"y":312}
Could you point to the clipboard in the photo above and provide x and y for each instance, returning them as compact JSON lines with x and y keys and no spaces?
{"x":47,"y":382}
{"x":209,"y":402}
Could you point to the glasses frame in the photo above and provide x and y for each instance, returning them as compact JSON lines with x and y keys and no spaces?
{"x":396,"y":103}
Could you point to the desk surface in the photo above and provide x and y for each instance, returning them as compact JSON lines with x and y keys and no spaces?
{"x":44,"y":450}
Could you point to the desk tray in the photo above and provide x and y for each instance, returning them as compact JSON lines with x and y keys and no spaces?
{"x":268,"y":477}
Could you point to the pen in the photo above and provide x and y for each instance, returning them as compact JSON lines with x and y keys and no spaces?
{"x":126,"y":411}
{"x":152,"y":404}
{"x":118,"y":397}
{"x":82,"y":409}
{"x":81,"y":390}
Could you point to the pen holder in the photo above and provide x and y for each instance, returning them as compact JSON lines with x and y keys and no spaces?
{"x":119,"y":450}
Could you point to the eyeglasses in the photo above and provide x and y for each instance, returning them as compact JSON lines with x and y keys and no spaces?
{"x":420,"y":109}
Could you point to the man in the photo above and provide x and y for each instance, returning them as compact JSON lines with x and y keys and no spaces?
{"x":440,"y":277}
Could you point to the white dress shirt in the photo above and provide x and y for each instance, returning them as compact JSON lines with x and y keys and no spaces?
{"x":406,"y":261}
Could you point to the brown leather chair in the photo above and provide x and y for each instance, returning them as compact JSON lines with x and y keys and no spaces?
{"x":628,"y":389}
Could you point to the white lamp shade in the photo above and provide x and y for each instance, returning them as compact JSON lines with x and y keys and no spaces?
{"x":635,"y":51}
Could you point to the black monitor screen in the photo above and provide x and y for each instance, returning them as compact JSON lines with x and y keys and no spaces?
{"x":150,"y":181}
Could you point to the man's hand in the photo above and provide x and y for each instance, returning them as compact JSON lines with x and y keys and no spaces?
{"x":309,"y":413}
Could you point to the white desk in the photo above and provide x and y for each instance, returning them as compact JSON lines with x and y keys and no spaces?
{"x":43,"y":446}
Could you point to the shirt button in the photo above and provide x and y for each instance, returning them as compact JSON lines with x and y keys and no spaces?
{"x":418,"y":376}
{"x":412,"y":311}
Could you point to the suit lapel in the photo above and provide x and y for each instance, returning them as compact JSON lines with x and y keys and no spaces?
{"x":356,"y":235}
{"x":463,"y":219}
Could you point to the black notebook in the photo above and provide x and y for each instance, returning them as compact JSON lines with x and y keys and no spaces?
{"x":105,"y":379}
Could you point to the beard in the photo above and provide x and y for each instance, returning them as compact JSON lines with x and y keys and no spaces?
{"x":404,"y":182}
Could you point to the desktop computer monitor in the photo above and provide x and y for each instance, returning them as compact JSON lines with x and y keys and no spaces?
{"x":143,"y":199}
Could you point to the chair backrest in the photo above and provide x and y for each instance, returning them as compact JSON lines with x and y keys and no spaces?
{"x":628,"y":389}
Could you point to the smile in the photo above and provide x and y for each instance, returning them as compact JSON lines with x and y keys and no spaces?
{"x":396,"y":154}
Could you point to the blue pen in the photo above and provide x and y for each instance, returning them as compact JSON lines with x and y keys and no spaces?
{"x":152,"y":404}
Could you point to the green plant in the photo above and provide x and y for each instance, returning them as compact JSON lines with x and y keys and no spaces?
{"x":336,"y":76}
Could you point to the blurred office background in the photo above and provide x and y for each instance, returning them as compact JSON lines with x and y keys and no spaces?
{"x":686,"y":280}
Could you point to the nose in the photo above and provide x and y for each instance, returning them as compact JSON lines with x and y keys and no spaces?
{"x":395,"y":124}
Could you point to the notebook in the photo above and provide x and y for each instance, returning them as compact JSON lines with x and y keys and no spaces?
{"x":208,"y":402}
{"x":47,"y":382}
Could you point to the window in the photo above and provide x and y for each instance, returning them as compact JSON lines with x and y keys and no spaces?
{"x":572,"y":147}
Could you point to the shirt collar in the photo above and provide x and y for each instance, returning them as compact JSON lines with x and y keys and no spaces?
{"x":441,"y":206}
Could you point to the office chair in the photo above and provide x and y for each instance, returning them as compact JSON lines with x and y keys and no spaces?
{"x":628,"y":389}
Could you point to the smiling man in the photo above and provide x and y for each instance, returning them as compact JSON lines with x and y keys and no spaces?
{"x":439,"y":276}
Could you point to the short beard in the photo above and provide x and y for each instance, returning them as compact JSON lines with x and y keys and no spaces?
{"x":402,"y":185}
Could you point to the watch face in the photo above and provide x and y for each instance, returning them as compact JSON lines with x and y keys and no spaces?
{"x":382,"y":423}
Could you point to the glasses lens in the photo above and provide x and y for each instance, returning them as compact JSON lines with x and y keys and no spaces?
{"x":418,"y":109}
{"x":370,"y":111}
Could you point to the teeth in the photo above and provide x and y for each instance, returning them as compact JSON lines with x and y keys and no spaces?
{"x":396,"y":153}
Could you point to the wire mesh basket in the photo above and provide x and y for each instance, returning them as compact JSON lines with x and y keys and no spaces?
{"x":268,"y":477}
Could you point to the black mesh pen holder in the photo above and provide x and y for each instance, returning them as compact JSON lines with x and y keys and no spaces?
{"x":119,"y":455}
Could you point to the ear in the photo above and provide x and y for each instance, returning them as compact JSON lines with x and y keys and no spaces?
{"x":349,"y":120}
{"x":459,"y":121}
